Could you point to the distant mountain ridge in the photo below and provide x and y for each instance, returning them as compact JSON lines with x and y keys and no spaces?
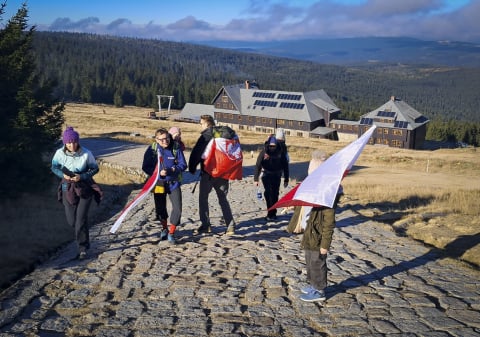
{"x":363,"y":51}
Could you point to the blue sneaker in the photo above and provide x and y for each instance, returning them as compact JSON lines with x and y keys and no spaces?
{"x":163,"y":234}
{"x":171,"y":239}
{"x":314,"y":296}
{"x":307,"y":289}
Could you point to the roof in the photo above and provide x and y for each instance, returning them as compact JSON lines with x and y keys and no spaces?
{"x":402,"y":115}
{"x":290,"y":105}
{"x":192,"y":111}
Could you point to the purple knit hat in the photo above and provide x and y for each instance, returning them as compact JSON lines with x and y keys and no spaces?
{"x":70,"y":136}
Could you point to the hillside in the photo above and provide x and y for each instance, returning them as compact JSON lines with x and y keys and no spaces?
{"x":126,"y":71}
{"x":364,"y":51}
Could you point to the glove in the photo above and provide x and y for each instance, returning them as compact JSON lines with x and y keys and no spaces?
{"x":285,"y":183}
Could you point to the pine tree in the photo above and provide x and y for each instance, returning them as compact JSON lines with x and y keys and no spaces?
{"x":31,"y":118}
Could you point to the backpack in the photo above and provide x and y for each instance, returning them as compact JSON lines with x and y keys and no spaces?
{"x":223,"y":155}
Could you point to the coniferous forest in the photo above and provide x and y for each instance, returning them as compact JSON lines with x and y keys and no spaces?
{"x":128,"y":71}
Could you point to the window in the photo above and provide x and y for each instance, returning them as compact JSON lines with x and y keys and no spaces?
{"x":385,"y":131}
{"x":225,"y":99}
{"x":280,"y":121}
{"x":397,"y":132}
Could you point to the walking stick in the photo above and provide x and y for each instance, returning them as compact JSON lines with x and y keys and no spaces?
{"x":196,"y":182}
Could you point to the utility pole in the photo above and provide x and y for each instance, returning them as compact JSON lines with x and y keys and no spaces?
{"x":160,"y":105}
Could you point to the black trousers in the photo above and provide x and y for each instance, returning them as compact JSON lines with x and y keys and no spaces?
{"x":160,"y":200}
{"x":271,"y":183}
{"x":77,"y":217}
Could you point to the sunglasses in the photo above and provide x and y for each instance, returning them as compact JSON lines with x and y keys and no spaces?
{"x":163,"y":139}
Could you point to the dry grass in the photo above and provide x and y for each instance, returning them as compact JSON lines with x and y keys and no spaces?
{"x":431,"y":196}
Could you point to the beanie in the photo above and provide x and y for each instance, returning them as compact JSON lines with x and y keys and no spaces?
{"x":174,"y":130}
{"x":70,"y":136}
{"x":280,"y":134}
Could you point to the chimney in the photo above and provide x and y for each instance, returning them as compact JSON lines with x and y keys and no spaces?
{"x":392,"y":98}
{"x":247,"y":84}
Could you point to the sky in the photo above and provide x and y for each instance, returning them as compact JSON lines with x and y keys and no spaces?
{"x":256,"y":20}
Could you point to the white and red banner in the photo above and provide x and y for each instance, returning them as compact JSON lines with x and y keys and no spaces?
{"x":149,"y":185}
{"x":223,"y":158}
{"x":320,"y":187}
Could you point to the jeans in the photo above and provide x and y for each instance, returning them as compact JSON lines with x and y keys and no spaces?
{"x":316,"y":268}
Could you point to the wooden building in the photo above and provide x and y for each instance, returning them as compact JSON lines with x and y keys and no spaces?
{"x":398,"y":125}
{"x":246,"y":107}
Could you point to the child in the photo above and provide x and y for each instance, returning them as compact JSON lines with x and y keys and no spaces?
{"x":318,"y":224}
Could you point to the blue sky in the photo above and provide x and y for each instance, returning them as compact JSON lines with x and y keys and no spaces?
{"x":257,"y":20}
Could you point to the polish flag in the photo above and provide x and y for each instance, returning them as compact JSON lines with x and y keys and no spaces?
{"x":149,"y":185}
{"x":321,"y":186}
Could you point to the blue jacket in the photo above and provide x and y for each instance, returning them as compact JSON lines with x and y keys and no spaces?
{"x":170,"y":157}
{"x":81,"y":162}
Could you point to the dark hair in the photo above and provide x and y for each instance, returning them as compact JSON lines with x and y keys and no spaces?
{"x":161,"y":131}
{"x":208,"y":119}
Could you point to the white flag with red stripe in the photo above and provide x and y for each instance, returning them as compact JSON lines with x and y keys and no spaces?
{"x":149,"y":185}
{"x":320,"y":187}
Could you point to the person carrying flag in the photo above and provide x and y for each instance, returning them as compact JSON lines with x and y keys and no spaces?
{"x":208,"y":181}
{"x":171,"y":163}
{"x":317,"y":224}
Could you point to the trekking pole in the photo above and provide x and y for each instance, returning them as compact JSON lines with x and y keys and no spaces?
{"x":196,"y":182}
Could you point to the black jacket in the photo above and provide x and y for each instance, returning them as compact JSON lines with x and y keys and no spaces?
{"x":271,"y":162}
{"x":197,"y":151}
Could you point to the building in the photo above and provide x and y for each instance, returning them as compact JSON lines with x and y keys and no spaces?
{"x":398,"y":125}
{"x":310,"y":114}
{"x":246,"y":107}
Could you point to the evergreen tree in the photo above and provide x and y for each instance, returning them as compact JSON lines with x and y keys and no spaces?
{"x":31,"y":119}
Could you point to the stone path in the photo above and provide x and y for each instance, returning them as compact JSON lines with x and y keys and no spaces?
{"x":132,"y":284}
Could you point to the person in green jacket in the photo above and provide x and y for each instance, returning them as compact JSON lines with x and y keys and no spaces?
{"x":318,"y":224}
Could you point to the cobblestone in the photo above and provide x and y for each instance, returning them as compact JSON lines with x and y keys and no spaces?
{"x":248,"y":284}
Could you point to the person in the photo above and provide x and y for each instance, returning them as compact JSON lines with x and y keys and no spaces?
{"x":171,"y":163}
{"x":271,"y":163}
{"x":177,"y":137}
{"x":207,"y":182}
{"x":75,"y":166}
{"x":317,"y":224}
{"x":280,"y":136}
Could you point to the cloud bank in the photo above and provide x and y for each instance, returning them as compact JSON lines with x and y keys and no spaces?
{"x":264,"y":21}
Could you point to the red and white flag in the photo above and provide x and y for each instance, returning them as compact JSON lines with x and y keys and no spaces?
{"x":320,"y":187}
{"x":149,"y":185}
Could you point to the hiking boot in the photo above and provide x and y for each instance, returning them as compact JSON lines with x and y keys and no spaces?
{"x":314,"y":296}
{"x":163,"y":234}
{"x":271,"y":218}
{"x":171,"y":239}
{"x":202,"y":229}
{"x":230,"y":230}
{"x":307,"y":289}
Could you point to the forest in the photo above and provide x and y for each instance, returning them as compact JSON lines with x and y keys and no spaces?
{"x":127,"y":71}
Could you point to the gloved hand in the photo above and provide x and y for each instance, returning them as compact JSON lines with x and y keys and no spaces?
{"x":285,"y":183}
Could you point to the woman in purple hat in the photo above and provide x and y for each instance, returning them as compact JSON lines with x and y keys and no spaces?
{"x":76,"y":166}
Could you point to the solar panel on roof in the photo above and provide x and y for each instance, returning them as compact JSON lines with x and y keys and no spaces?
{"x":289,"y":105}
{"x":366,"y":121}
{"x":263,"y":94}
{"x":400,"y":124}
{"x":289,"y":97}
{"x":386,"y":114}
{"x":265,"y":103}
